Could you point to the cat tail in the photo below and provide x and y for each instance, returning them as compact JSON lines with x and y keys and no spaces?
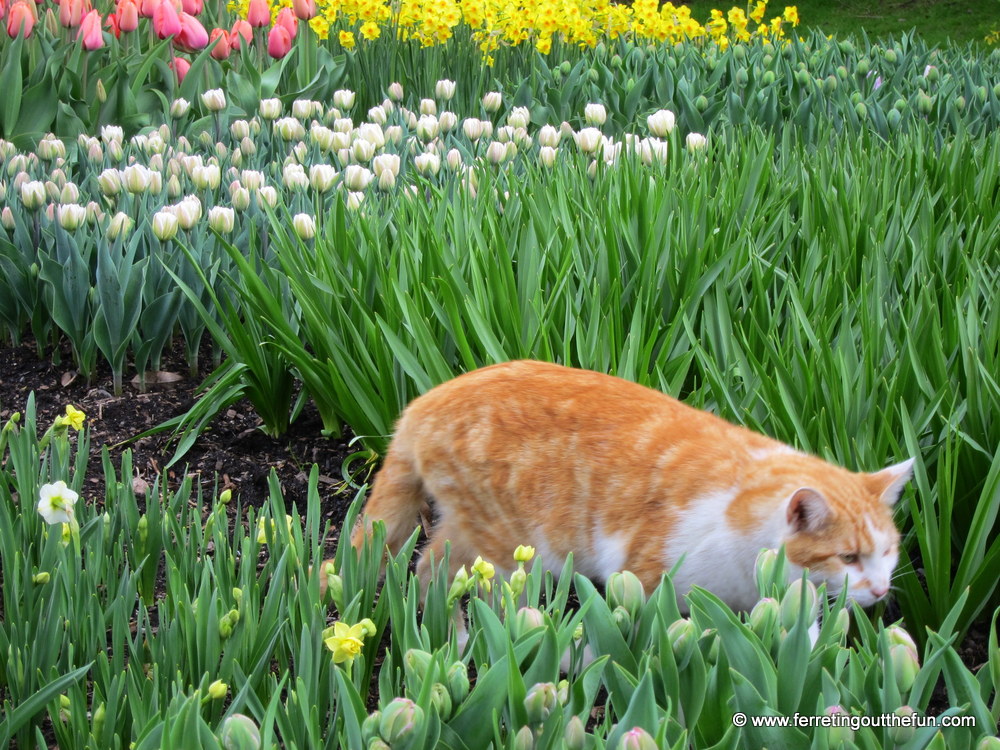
{"x":397,"y":498}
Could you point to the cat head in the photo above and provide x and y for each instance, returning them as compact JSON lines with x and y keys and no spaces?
{"x":843,"y":531}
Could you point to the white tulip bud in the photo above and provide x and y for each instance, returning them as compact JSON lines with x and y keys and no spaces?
{"x":492,"y":101}
{"x":164,"y":225}
{"x":444,"y":89}
{"x":214,"y":100}
{"x":222,"y":219}
{"x":321,"y":177}
{"x":595,"y":114}
{"x":661,"y":123}
{"x":357,"y":177}
{"x":304,"y":225}
{"x":270,"y":109}
{"x":547,"y":156}
{"x":549,"y":136}
{"x":343,"y":99}
{"x":696,"y":141}
{"x":428,"y":107}
{"x":70,"y":215}
{"x":427,"y":164}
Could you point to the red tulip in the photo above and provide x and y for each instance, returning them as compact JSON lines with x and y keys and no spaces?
{"x":218,"y":40}
{"x":90,"y":31}
{"x":259,"y":13}
{"x":128,"y":15}
{"x":193,"y":7}
{"x":180,"y":66}
{"x":192,"y":34}
{"x":304,"y":9}
{"x":111,"y":22}
{"x":279,"y":42}
{"x":71,"y":12}
{"x":166,"y":22}
{"x":287,"y":19}
{"x":21,"y":19}
{"x":241,"y":31}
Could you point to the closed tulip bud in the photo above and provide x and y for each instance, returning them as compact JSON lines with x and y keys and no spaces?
{"x":661,"y":123}
{"x":304,"y":225}
{"x":575,"y":734}
{"x":427,"y":164}
{"x":189,"y":212}
{"x":386,"y":163}
{"x":527,"y":619}
{"x":240,"y":198}
{"x":33,"y":195}
{"x":623,"y":620}
{"x":653,"y":151}
{"x":539,"y":701}
{"x":71,"y":216}
{"x":120,"y":224}
{"x":136,"y":178}
{"x":766,"y":569}
{"x":174,"y":188}
{"x":898,"y":636}
{"x":343,"y":99}
{"x":492,"y":101}
{"x":269,"y":109}
{"x":293,"y":177}
{"x":362,"y":150}
{"x":394,"y":133}
{"x":791,"y":602}
{"x":696,"y":141}
{"x":354,"y":200}
{"x":214,"y":100}
{"x":626,"y":590}
{"x":459,"y":585}
{"x":321,"y":177}
{"x":473,"y":128}
{"x":427,"y":127}
{"x":505,"y":134}
{"x":164,"y":225}
{"x":110,"y":182}
{"x":302,"y":109}
{"x":905,"y":666}
{"x":549,"y":136}
{"x":289,"y":129}
{"x":222,"y":219}
{"x":988,"y":743}
{"x":356,"y":177}
{"x":457,"y":678}
{"x":444,"y":89}
{"x":7,"y":218}
{"x":683,"y":637}
{"x":524,"y":739}
{"x":207,"y":177}
{"x":764,"y":616}
{"x":838,"y":736}
{"x":51,"y":148}
{"x":900,"y":734}
{"x":400,"y":719}
{"x":239,"y":732}
{"x":95,"y":154}
{"x":595,"y":114}
{"x":343,"y":125}
{"x":637,"y":739}
{"x":395,"y":91}
{"x":441,"y":701}
{"x":588,"y":140}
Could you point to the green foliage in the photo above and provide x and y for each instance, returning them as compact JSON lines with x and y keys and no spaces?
{"x":238,"y":620}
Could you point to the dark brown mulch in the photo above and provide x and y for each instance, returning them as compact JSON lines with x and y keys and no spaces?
{"x":232,"y":448}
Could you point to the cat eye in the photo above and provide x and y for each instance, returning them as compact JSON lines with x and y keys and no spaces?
{"x":850,"y":558}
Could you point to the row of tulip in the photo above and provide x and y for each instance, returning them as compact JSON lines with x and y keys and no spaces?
{"x":255,"y":663}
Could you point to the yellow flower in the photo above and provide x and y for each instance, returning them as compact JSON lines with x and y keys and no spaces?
{"x":347,"y":39}
{"x":523,"y":553}
{"x":757,"y":14}
{"x":792,"y":15}
{"x":370,"y":30}
{"x":483,"y":571}
{"x":544,"y":44}
{"x":346,"y":641}
{"x":75,"y":417}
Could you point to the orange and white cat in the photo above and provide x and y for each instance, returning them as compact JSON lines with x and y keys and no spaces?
{"x":625,"y":478}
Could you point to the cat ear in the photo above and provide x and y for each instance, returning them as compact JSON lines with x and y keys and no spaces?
{"x":889,"y":483}
{"x":807,"y":510}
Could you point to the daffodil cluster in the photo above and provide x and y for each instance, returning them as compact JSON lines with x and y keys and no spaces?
{"x":502,"y":23}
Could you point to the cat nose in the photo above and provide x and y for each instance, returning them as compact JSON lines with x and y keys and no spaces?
{"x":880,"y":591}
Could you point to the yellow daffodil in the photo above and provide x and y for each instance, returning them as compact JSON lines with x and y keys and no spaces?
{"x":346,"y":641}
{"x":75,"y":417}
{"x":484,"y":571}
{"x":523,"y":553}
{"x":346,"y":39}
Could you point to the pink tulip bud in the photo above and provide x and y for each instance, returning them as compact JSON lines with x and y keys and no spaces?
{"x":192,"y":35}
{"x":179,"y":65}
{"x":219,"y":42}
{"x":192,"y":7}
{"x":287,"y":19}
{"x":166,"y":21}
{"x":304,"y":9}
{"x":148,"y":7}
{"x":71,"y":12}
{"x":279,"y":42}
{"x":128,"y":15}
{"x":241,"y":32}
{"x":21,"y":19}
{"x":90,"y":31}
{"x":259,"y":13}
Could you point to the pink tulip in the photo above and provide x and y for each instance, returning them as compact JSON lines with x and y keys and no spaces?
{"x":166,"y":22}
{"x":71,"y":12}
{"x":192,"y":34}
{"x":241,"y":31}
{"x":279,"y":42}
{"x":287,"y":19}
{"x":128,"y":15}
{"x":90,"y":31}
{"x":148,"y":7}
{"x":180,"y":66}
{"x":192,"y":7}
{"x":218,"y":40}
{"x":3,"y":9}
{"x":304,"y":9}
{"x":259,"y":13}
{"x":20,"y":19}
